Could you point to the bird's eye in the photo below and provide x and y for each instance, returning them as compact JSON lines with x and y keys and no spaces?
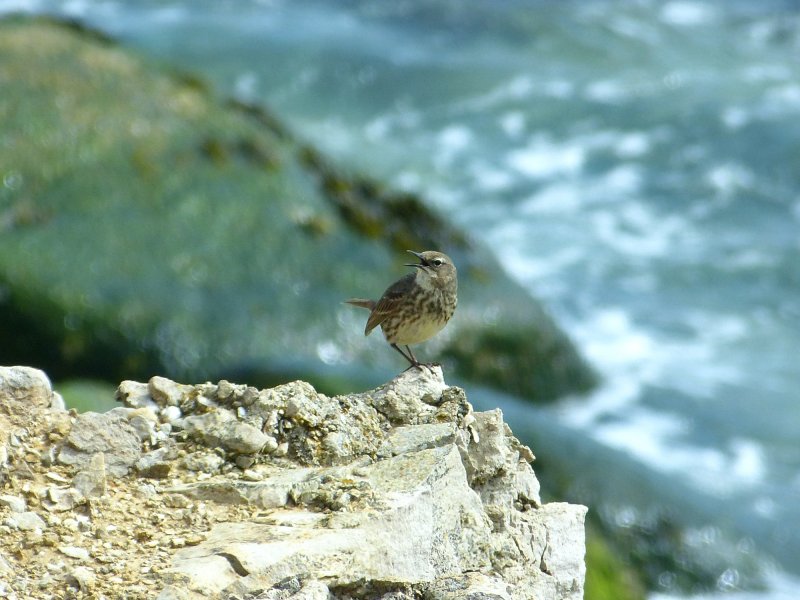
{"x":437,"y":262}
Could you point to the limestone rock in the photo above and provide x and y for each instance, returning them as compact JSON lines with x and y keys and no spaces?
{"x":61,"y":499}
{"x":135,"y":395}
{"x":26,"y":385}
{"x":82,"y":578}
{"x":75,"y":552}
{"x":416,"y":503}
{"x":13,"y":503}
{"x":166,"y":392}
{"x":57,"y":402}
{"x":497,"y":465}
{"x":397,"y":493}
{"x":110,"y":434}
{"x":170,"y":414}
{"x":156,"y":464}
{"x":408,"y":396}
{"x":26,"y":521}
{"x":175,"y":592}
{"x":5,"y":569}
{"x":472,"y":586}
{"x":220,"y":428}
{"x":91,"y":481}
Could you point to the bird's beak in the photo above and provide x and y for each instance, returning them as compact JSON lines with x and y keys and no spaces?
{"x":421,"y":265}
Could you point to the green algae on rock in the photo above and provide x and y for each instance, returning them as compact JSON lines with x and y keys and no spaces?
{"x":148,"y":226}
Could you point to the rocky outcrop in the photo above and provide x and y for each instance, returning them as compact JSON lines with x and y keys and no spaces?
{"x":227,"y":491}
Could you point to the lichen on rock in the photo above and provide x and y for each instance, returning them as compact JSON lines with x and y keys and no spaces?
{"x":399,"y":492}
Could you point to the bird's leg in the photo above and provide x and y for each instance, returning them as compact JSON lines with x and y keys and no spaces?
{"x":409,"y":357}
{"x":419,"y":365}
{"x":413,"y":362}
{"x":411,"y":354}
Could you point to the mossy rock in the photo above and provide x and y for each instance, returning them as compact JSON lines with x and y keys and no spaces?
{"x":146,"y":226}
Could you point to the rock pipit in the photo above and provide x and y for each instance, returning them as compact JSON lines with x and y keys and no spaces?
{"x":415,"y":308}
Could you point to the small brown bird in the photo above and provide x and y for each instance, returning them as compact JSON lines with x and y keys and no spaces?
{"x":415,"y":308}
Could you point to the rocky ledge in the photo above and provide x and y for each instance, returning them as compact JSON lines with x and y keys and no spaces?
{"x":227,"y":491}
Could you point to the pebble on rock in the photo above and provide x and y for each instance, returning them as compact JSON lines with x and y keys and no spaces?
{"x":27,"y":521}
{"x":13,"y":503}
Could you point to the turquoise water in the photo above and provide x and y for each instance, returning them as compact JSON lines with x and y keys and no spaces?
{"x":634,"y":164}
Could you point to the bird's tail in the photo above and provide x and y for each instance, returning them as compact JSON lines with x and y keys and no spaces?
{"x":363,"y":303}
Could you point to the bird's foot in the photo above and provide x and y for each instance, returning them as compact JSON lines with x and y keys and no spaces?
{"x":422,"y":366}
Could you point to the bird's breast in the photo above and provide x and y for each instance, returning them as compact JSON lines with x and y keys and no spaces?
{"x":419,"y":319}
{"x":413,"y":330}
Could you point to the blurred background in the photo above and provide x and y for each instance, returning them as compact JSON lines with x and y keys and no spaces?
{"x":633,"y":164}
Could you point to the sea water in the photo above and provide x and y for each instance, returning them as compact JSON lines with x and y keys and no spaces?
{"x":635,"y":164}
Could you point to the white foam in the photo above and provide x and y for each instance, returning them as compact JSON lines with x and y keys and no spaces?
{"x":76,"y":8}
{"x":730,"y":177}
{"x":621,"y":351}
{"x":520,"y":87}
{"x":646,"y":435}
{"x":763,"y":73}
{"x":639,"y":231}
{"x":783,"y":98}
{"x":659,"y":440}
{"x":747,"y":460}
{"x":622,"y":179}
{"x":625,"y":144}
{"x":557,"y":197}
{"x":687,"y":14}
{"x":748,"y":259}
{"x":735,"y":117}
{"x":717,"y":329}
{"x":607,"y":91}
{"x":513,"y":123}
{"x":765,"y":506}
{"x":410,"y":181}
{"x":565,"y":197}
{"x":631,"y":358}
{"x":454,"y":138}
{"x":543,"y":158}
{"x":624,"y":350}
{"x":611,"y":339}
{"x":12,"y":6}
{"x":378,"y":129}
{"x":558,"y":88}
{"x":329,"y":352}
{"x":491,"y":179}
{"x":634,"y":29}
{"x":611,"y":398}
{"x":445,"y":197}
{"x":168,"y":14}
{"x":633,"y":145}
{"x":451,"y":141}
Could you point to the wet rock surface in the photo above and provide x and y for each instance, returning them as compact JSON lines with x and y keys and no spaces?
{"x":227,"y":491}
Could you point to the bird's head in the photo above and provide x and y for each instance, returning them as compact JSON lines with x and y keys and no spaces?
{"x":434,"y":268}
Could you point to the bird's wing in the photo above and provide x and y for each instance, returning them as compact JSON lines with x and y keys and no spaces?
{"x":388,"y":303}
